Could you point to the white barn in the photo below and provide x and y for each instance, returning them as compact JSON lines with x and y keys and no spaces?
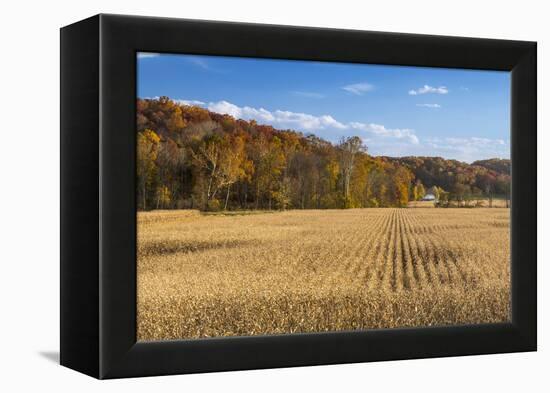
{"x":429,"y":197}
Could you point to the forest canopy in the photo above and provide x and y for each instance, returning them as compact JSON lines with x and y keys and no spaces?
{"x":192,"y":158}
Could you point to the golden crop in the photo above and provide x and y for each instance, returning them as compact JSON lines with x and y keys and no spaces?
{"x":320,"y":270}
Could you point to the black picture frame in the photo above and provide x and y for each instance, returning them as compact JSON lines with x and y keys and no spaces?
{"x":98,"y":204}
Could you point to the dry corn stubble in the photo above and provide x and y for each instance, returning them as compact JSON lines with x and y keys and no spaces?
{"x":320,"y":270}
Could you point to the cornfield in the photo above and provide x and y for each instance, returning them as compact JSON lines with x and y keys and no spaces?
{"x":320,"y":270}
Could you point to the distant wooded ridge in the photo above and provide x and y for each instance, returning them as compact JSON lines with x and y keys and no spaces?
{"x":192,"y":158}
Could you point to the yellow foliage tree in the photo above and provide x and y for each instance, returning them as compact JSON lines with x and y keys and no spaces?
{"x":147,"y":152}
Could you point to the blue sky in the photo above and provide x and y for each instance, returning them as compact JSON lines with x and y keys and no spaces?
{"x":398,"y":111}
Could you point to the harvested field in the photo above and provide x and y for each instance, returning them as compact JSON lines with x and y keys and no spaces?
{"x":320,"y":270}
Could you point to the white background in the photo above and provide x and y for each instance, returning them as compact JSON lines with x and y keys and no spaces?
{"x":29,"y":194}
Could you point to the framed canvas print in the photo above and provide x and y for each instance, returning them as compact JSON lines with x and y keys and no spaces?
{"x":239,"y":196}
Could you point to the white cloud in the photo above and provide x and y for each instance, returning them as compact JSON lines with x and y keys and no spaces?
{"x":198,"y":61}
{"x":468,"y":149}
{"x":278,"y":118}
{"x":190,"y":102}
{"x":358,"y":88}
{"x":325,"y":126}
{"x":306,"y":122}
{"x":429,"y":89}
{"x":147,"y":55}
{"x":379,"y":130}
{"x":246,"y":112}
{"x":429,"y":105}
{"x":380,"y":139}
{"x":308,"y":94}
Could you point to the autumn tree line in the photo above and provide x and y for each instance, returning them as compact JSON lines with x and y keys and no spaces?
{"x":191,"y":158}
{"x":457,"y":183}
